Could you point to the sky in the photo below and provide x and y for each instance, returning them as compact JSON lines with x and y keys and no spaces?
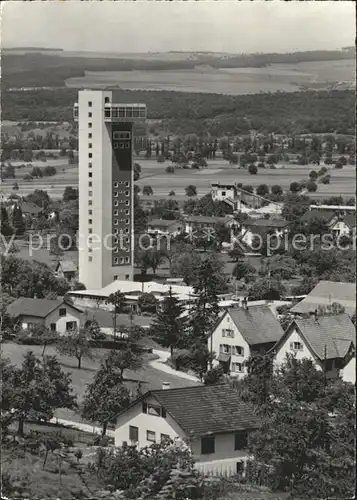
{"x":160,"y":26}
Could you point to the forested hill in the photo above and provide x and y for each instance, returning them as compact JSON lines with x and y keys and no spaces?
{"x":216,"y":114}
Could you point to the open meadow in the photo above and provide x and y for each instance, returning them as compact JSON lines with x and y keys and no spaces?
{"x":233,"y":81}
{"x":342,"y":182}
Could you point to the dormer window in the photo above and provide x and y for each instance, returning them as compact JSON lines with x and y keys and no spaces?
{"x":156,"y":411}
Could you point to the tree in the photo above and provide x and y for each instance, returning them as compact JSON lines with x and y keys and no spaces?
{"x":142,"y":260}
{"x":253,"y":169}
{"x":172,"y":193}
{"x":256,"y":387}
{"x":262,"y":190}
{"x":69,"y":194}
{"x":313,"y":175}
{"x":5,"y":227}
{"x":156,"y":258}
{"x":137,"y":171}
{"x":248,"y":188}
{"x":311,"y":186}
{"x":38,"y":389}
{"x":242,"y":270}
{"x":49,"y":171}
{"x":18,"y":220}
{"x":185,"y":264}
{"x":148,"y":191}
{"x":191,"y":190}
{"x":125,"y":359}
{"x":117,"y":300}
{"x":266,"y":289}
{"x":236,"y":254}
{"x":36,"y":172}
{"x":76,"y":344}
{"x":39,"y":198}
{"x":277,"y":190}
{"x":147,"y":302}
{"x":168,"y":326}
{"x":170,"y":169}
{"x":214,"y":376}
{"x":295,"y":187}
{"x":106,"y":396}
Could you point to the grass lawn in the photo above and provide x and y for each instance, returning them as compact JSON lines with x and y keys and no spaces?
{"x":149,"y":377}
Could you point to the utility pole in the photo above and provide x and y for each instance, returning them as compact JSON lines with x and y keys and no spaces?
{"x":325,"y":356}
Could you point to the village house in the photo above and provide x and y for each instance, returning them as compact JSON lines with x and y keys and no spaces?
{"x":251,"y":228}
{"x":240,"y":333}
{"x":329,"y":341}
{"x":212,"y":420}
{"x":325,"y":294}
{"x":66,"y":269}
{"x":338,"y":224}
{"x":165,"y":227}
{"x":56,"y":315}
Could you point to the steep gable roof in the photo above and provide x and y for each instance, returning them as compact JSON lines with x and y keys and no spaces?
{"x":328,"y":336}
{"x":323,"y":215}
{"x":67,"y":266}
{"x":328,"y":292}
{"x":164,"y":222}
{"x":205,"y":410}
{"x":39,"y":308}
{"x":266,"y":223}
{"x":257,"y":324}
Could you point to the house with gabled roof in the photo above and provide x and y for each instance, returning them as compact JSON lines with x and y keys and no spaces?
{"x":56,"y":315}
{"x":240,"y":333}
{"x":66,"y":269}
{"x":325,"y":294}
{"x":329,"y":341}
{"x":338,"y":224}
{"x":212,"y":420}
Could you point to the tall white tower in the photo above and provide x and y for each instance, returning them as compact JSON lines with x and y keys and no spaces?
{"x":106,"y":187}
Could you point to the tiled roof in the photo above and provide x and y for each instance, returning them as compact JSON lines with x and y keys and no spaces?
{"x":350,"y":220}
{"x":324,"y":215}
{"x":257,"y":324}
{"x":164,"y":222}
{"x":326,"y":293}
{"x":39,"y":308}
{"x":202,"y":410}
{"x":202,"y":219}
{"x":67,"y":266}
{"x":266,"y":223}
{"x":333,"y":333}
{"x":30,"y":208}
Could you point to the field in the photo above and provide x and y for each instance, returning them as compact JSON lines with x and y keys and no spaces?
{"x":342,"y":181}
{"x":233,"y":81}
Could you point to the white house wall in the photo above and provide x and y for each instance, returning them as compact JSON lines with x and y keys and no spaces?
{"x":216,"y":339}
{"x":54,"y":317}
{"x":304,"y":353}
{"x":144,"y":422}
{"x":349,"y":371}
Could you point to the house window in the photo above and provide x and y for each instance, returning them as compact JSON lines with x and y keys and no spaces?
{"x":296,"y":346}
{"x":151,"y":436}
{"x":62,"y":311}
{"x":127,"y":276}
{"x":154,"y":410}
{"x":240,"y":440}
{"x":133,"y":433}
{"x":238,"y":350}
{"x":329,"y":364}
{"x":207,"y":445}
{"x":227,"y":332}
{"x":53,"y":327}
{"x":225,"y":349}
{"x":70,"y":325}
{"x":237,"y":367}
{"x":164,"y":437}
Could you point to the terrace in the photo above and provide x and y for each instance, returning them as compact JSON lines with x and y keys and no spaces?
{"x":119,"y":112}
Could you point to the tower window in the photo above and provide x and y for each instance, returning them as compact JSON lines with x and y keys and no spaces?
{"x":90,"y":221}
{"x":90,"y":124}
{"x":90,"y":104}
{"x":127,"y":184}
{"x":90,"y":145}
{"x":127,"y":260}
{"x":90,"y":114}
{"x":121,"y":260}
{"x":90,"y":155}
{"x":106,"y":100}
{"x":127,"y":202}
{"x":90,"y":165}
{"x":90,"y":258}
{"x":116,"y":203}
{"x":126,"y":193}
{"x":90,"y":174}
{"x":89,"y":184}
{"x":116,"y":260}
{"x":90,"y":212}
{"x":116,"y":212}
{"x":116,"y":184}
{"x":90,"y":202}
{"x":90,"y":231}
{"x":127,"y":212}
{"x":90,"y":135}
{"x":116,"y":194}
{"x":90,"y":193}
{"x":127,"y":221}
{"x":115,"y":222}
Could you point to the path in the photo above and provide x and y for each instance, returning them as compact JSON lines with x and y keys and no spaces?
{"x":83,"y":427}
{"x":160,"y":364}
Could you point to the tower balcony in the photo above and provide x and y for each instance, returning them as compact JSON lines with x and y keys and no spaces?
{"x":119,"y":112}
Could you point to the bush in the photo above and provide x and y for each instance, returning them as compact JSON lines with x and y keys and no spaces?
{"x":295,"y":187}
{"x":311,"y":187}
{"x":338,"y":165}
{"x":170,"y":169}
{"x":161,"y":159}
{"x":253,"y":169}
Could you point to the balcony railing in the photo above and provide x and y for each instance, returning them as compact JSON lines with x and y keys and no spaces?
{"x":119,"y":112}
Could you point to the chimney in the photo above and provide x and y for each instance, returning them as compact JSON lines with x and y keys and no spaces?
{"x":165,"y":386}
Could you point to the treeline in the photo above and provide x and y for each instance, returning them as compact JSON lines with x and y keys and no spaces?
{"x":261,"y":60}
{"x":217,"y":115}
{"x":42,"y":70}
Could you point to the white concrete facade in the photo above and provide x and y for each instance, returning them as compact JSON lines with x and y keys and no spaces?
{"x":96,"y":268}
